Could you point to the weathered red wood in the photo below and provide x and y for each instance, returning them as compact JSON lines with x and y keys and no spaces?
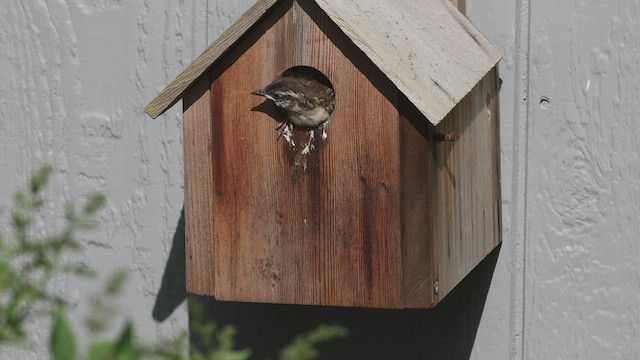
{"x":328,"y":234}
{"x":379,"y":215}
{"x":198,"y":161}
{"x":418,"y":245}
{"x":467,"y":186}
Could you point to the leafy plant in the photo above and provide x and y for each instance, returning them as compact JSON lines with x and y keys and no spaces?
{"x":303,"y":347}
{"x":28,"y":264}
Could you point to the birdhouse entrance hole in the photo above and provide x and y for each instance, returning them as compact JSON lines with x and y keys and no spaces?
{"x":301,"y":90}
{"x":309,"y":73}
{"x":301,"y":98}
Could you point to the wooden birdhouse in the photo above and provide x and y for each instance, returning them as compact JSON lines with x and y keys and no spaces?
{"x":395,"y":200}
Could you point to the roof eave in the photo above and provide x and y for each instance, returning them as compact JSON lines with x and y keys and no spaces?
{"x":176,"y":89}
{"x":428,"y":94}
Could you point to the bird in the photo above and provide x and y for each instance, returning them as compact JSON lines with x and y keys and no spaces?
{"x":305,"y":95}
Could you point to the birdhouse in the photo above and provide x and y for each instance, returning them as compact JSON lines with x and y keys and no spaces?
{"x":388,"y":203}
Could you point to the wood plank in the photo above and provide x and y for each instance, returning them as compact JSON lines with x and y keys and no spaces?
{"x":461,"y":5}
{"x":428,"y":49}
{"x":198,"y":160}
{"x":468,"y":185}
{"x":174,"y":91}
{"x":364,"y":140}
{"x":418,"y":245}
{"x":381,"y":212}
{"x":330,"y":234}
{"x":445,"y":247}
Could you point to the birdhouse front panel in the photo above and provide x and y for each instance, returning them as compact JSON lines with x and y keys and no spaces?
{"x":378,"y":206}
{"x":302,"y":228}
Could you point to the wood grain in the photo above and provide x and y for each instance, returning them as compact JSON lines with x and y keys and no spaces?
{"x":461,"y":5}
{"x":375,"y":216}
{"x":430,"y":51}
{"x":467,"y":186}
{"x":434,"y":66}
{"x":330,"y":235}
{"x":418,"y":213}
{"x":198,"y":162}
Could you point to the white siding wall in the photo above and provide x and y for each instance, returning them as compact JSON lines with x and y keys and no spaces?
{"x":582,"y":281}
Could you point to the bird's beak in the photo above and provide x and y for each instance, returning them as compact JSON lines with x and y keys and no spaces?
{"x":259,"y":93}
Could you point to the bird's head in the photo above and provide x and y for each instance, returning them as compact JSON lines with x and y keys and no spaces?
{"x":283,"y":93}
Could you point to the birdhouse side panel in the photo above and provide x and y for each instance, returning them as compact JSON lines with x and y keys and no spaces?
{"x":467,"y":185}
{"x":322,"y":228}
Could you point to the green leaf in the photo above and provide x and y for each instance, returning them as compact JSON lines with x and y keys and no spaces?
{"x":70,"y":214}
{"x":125,"y":345}
{"x":124,"y":348}
{"x":231,"y":355}
{"x":7,"y":276}
{"x":63,"y":342}
{"x":95,"y":203}
{"x":115,"y":283}
{"x":101,"y":351}
{"x":20,"y":221}
{"x":40,"y":179}
{"x":303,"y":347}
{"x":21,"y":201}
{"x":225,"y":337}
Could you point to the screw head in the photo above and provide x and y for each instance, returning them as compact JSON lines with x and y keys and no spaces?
{"x":436,"y":287}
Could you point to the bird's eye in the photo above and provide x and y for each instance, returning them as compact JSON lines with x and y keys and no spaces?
{"x":280,"y":95}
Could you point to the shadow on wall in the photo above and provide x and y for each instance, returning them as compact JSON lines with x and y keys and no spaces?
{"x":445,"y":332}
{"x":173,"y":287}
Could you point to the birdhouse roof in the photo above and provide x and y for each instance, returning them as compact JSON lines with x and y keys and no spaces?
{"x":431,"y":52}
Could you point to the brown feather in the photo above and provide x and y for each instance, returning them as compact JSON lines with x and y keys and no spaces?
{"x":302,"y":96}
